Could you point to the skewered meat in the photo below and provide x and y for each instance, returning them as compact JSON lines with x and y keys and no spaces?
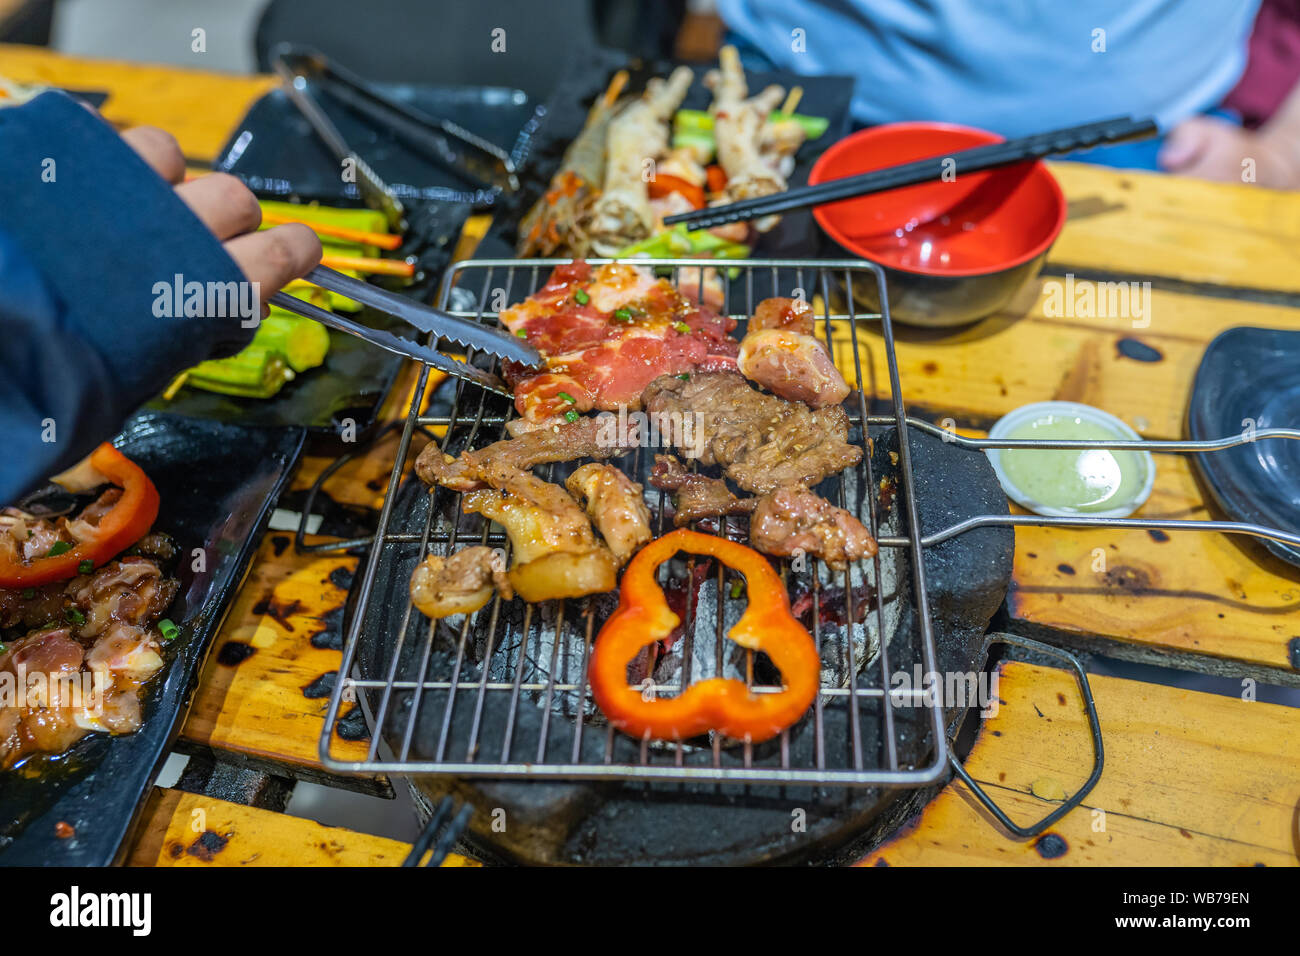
{"x":459,"y":584}
{"x":738,"y":122}
{"x":793,"y":365}
{"x":637,"y":136}
{"x":761,"y":441}
{"x":792,"y":519}
{"x":556,"y":554}
{"x":615,"y":507}
{"x":697,"y":496}
{"x":604,"y":335}
{"x":557,"y":223}
{"x":585,"y":438}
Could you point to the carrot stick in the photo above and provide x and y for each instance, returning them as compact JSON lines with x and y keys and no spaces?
{"x":381,"y":239}
{"x":386,"y":267}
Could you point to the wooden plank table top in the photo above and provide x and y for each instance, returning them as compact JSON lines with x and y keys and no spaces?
{"x":1217,"y":256}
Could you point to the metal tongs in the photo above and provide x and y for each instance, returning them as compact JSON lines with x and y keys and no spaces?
{"x":441,"y":325}
{"x":470,"y":156}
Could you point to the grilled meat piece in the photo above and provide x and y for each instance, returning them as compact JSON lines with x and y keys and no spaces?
{"x":615,"y":507}
{"x":792,"y":519}
{"x":459,"y":584}
{"x":556,"y":553}
{"x":761,"y":441}
{"x":780,"y":312}
{"x":604,"y":334}
{"x":792,"y":365}
{"x":697,"y":496}
{"x":585,"y":438}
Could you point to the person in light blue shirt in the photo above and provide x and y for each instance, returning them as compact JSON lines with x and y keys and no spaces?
{"x":1023,"y":66}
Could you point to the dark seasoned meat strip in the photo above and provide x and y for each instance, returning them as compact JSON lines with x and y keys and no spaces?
{"x":761,"y":441}
{"x":585,"y":438}
{"x":792,"y":519}
{"x":697,"y":496}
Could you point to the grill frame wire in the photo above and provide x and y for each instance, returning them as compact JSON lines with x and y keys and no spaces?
{"x":891,"y":771}
{"x":891,"y":774}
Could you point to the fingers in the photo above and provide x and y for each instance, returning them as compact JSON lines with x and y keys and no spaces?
{"x":1185,"y":143}
{"x":226,"y":205}
{"x":275,"y":256}
{"x":159,"y":149}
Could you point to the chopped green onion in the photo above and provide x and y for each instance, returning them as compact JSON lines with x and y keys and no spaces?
{"x":581,"y":297}
{"x":571,"y":416}
{"x":736,"y":588}
{"x":168,"y":629}
{"x":522,"y":334}
{"x":85,"y":567}
{"x":29,"y":593}
{"x":623,"y":315}
{"x":58,"y":548}
{"x":567,"y":397}
{"x":74,"y":616}
{"x":681,"y":327}
{"x":685,"y":376}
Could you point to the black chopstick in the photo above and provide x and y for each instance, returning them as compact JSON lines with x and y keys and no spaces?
{"x":1006,"y":153}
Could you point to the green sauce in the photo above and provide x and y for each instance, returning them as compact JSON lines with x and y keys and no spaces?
{"x":1093,"y":479}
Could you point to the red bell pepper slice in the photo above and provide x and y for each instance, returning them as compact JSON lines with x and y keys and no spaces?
{"x":127,"y":522}
{"x":726,"y":705}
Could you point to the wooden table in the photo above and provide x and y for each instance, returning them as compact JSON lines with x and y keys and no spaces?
{"x":1191,"y":777}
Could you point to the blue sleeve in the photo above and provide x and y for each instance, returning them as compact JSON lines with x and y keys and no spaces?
{"x":93,"y":246}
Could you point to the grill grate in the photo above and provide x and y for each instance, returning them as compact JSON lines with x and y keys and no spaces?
{"x":507,"y":686}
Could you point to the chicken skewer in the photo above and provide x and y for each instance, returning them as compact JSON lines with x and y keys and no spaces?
{"x":638,"y":134}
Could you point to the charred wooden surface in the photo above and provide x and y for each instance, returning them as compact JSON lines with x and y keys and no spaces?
{"x":1191,"y":779}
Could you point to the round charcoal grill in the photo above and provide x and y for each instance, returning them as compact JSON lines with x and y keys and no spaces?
{"x":497,"y":708}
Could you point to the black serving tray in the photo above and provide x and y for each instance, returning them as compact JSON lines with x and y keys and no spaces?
{"x":1250,"y":375}
{"x":587,"y":77}
{"x":218,"y":484}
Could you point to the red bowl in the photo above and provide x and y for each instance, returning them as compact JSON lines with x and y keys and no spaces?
{"x":952,"y":251}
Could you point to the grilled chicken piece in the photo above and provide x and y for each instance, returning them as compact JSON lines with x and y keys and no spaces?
{"x":615,"y":507}
{"x":780,"y":312}
{"x":761,"y":441}
{"x":697,"y":496}
{"x":792,"y":520}
{"x":639,"y":133}
{"x":459,"y":584}
{"x":793,"y":365}
{"x":556,"y":553}
{"x":585,"y":438}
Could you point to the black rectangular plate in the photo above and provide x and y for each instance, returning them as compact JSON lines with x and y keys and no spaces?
{"x":586,"y":78}
{"x":218,"y":484}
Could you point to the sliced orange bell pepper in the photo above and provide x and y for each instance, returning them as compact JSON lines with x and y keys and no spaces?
{"x":722,"y":704}
{"x":126,"y":523}
{"x":663,"y":185}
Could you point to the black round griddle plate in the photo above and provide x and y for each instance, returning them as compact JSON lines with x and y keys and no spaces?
{"x":1250,"y":378}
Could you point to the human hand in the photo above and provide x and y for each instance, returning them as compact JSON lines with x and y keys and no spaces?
{"x":1211,"y":148}
{"x":271,"y":258}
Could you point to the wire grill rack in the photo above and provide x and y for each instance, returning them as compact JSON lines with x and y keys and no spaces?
{"x":529,"y":662}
